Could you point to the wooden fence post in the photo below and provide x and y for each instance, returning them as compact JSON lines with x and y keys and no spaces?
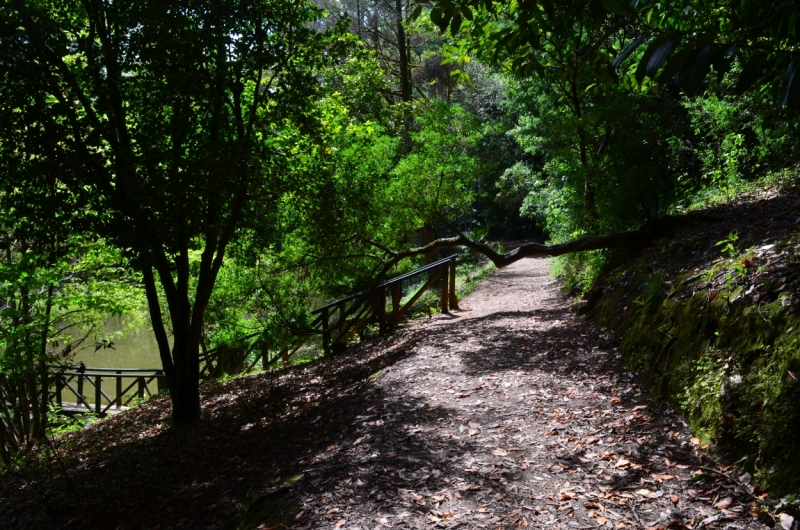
{"x":326,"y":332}
{"x":382,"y":310}
{"x":59,"y":389}
{"x":453,"y":297}
{"x":81,"y":401}
{"x":140,"y":389}
{"x":98,"y":402}
{"x":397,"y":295}
{"x":342,"y":318}
{"x":118,"y":400}
{"x":445,"y":287}
{"x":223,"y":353}
{"x":285,"y":356}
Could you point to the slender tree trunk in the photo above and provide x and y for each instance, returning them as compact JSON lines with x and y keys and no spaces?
{"x":29,"y":405}
{"x":181,"y":362}
{"x":405,"y":73}
{"x":40,"y":426}
{"x":589,"y":201}
{"x":5,"y":446}
{"x":402,"y":49}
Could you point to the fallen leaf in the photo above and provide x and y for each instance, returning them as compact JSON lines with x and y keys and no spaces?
{"x":646,"y":493}
{"x":340,"y":523}
{"x":724,"y":503}
{"x":661,"y":478}
{"x":614,"y":400}
{"x":622,"y":463}
{"x":567,"y":495}
{"x":499,"y":452}
{"x":786,"y":521}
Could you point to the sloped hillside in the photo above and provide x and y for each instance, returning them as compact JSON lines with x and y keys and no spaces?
{"x":708,"y":318}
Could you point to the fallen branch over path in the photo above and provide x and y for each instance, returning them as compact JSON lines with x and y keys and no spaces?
{"x":582,"y":244}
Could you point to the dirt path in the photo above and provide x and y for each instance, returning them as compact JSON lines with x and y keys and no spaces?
{"x":507,"y":413}
{"x":510,"y":413}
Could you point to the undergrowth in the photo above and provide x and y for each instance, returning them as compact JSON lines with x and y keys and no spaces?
{"x":722,"y":343}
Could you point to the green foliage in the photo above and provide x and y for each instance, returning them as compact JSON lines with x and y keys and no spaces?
{"x":701,"y":401}
{"x":729,"y":363}
{"x":167,"y":128}
{"x":579,"y":271}
{"x":671,"y":41}
{"x":436,"y":177}
{"x":728,"y":245}
{"x":54,"y":298}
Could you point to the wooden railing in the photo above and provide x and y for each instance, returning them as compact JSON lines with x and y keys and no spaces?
{"x":76,"y":379}
{"x":372,"y":303}
{"x":231,"y":358}
{"x":336,"y":322}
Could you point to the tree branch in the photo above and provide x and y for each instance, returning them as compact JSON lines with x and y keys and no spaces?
{"x":582,"y":244}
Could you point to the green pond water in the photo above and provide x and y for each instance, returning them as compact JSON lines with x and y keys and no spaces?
{"x":134,"y":349}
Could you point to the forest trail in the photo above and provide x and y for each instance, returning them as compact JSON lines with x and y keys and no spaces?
{"x":510,"y":413}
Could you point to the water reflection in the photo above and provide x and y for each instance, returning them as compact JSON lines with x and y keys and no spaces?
{"x":136,"y":349}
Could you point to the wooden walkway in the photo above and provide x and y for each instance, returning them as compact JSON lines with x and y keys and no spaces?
{"x":86,"y":386}
{"x":75,"y":409}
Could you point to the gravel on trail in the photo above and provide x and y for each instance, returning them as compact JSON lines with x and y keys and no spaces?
{"x":512,"y":412}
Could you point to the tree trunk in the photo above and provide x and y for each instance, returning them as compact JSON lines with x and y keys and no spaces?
{"x":402,"y":50}
{"x":589,"y":201}
{"x":186,"y":396}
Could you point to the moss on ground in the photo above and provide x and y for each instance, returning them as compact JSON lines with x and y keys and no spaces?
{"x":721,"y":343}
